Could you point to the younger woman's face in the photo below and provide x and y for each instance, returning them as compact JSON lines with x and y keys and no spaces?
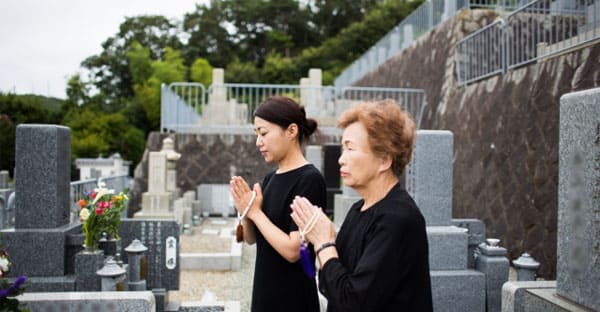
{"x":271,"y":140}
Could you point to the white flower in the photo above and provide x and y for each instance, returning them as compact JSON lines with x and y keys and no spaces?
{"x":84,"y":214}
{"x":4,"y":264}
{"x":101,"y":191}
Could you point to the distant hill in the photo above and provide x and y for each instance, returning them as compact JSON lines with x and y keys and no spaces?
{"x":52,"y":103}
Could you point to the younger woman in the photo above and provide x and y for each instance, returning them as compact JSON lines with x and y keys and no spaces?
{"x":280,"y":283}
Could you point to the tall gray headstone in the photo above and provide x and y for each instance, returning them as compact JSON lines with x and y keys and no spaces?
{"x":578,"y":250}
{"x":429,"y":176}
{"x":42,"y":176}
{"x":38,"y":244}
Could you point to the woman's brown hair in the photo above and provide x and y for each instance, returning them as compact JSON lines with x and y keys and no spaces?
{"x":284,"y":111}
{"x":391,"y":131}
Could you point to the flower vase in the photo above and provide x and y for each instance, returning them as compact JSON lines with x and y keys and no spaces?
{"x":110,"y":245}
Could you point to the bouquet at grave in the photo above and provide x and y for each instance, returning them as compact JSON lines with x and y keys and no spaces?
{"x":9,"y":290}
{"x":100,"y":212}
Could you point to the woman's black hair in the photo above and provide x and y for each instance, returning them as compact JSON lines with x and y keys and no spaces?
{"x":283,"y":112}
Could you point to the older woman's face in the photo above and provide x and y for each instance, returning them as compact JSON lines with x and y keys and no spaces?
{"x":358,"y":164}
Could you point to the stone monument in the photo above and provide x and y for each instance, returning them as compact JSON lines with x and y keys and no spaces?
{"x":157,"y":203}
{"x":220,"y":110}
{"x":578,"y":247}
{"x":41,"y":244}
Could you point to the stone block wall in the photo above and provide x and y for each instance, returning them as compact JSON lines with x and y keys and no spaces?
{"x":505,"y":132}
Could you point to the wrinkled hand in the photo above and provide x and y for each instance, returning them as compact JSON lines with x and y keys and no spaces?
{"x":241,"y":193}
{"x":303,"y":210}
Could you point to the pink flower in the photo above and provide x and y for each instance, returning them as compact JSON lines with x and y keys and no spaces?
{"x":99,"y":211}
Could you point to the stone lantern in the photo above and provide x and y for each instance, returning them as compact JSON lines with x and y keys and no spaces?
{"x":526,"y":267}
{"x":112,"y":275}
{"x":137,"y":265}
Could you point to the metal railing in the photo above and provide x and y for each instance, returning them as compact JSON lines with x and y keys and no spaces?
{"x":78,"y":188}
{"x":538,"y":30}
{"x":189,"y":107}
{"x":422,"y":20}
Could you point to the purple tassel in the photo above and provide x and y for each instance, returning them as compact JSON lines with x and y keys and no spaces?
{"x":307,"y":264}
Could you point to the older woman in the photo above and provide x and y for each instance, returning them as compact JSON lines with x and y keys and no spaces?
{"x":379,"y":261}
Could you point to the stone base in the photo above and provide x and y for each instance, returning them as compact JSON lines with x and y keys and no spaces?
{"x":458,"y":290}
{"x":89,"y":301}
{"x":231,"y":261}
{"x":50,"y":284}
{"x":535,"y":296}
{"x":38,"y":252}
{"x":160,"y":203}
{"x":196,"y":306}
{"x":87,"y":263}
{"x":448,"y":247}
{"x":154,"y":216}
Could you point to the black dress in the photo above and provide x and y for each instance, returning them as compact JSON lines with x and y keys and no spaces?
{"x":278,"y":284}
{"x":383,"y":262}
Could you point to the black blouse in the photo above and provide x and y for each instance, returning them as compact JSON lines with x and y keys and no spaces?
{"x":278,"y":284}
{"x":383,"y":262}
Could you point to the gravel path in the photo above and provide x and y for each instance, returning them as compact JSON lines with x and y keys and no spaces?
{"x":209,"y":286}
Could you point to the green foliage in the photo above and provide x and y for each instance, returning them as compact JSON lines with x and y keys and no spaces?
{"x":279,"y":70}
{"x":7,"y":141}
{"x":257,"y":41}
{"x":201,"y":72}
{"x":140,"y":63}
{"x":240,"y":72}
{"x":17,"y":109}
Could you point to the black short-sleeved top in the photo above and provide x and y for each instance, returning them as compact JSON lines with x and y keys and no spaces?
{"x":278,"y":284}
{"x":383,"y":262}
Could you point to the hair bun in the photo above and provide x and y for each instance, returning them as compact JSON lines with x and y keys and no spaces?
{"x":311,"y":126}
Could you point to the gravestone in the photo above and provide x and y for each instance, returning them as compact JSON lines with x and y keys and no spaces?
{"x":578,"y":247}
{"x":161,"y":237}
{"x":431,"y":166}
{"x":220,"y":110}
{"x":314,"y":155}
{"x":157,"y":202}
{"x":429,"y":181}
{"x":38,"y":245}
{"x":216,"y":200}
{"x":331,"y":173}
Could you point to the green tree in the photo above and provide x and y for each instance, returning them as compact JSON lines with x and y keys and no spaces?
{"x":110,"y":72}
{"x":242,"y":72}
{"x":15,"y":110}
{"x":7,"y":141}
{"x":278,"y":69}
{"x":208,"y":35}
{"x":201,"y":72}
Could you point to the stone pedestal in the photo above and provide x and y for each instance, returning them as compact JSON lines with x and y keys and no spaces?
{"x":87,"y":263}
{"x":493,"y":263}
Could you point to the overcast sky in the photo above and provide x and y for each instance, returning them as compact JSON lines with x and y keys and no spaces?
{"x":42,"y":42}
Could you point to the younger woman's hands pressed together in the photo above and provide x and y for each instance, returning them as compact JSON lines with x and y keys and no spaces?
{"x":241,"y":193}
{"x":323,"y":232}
